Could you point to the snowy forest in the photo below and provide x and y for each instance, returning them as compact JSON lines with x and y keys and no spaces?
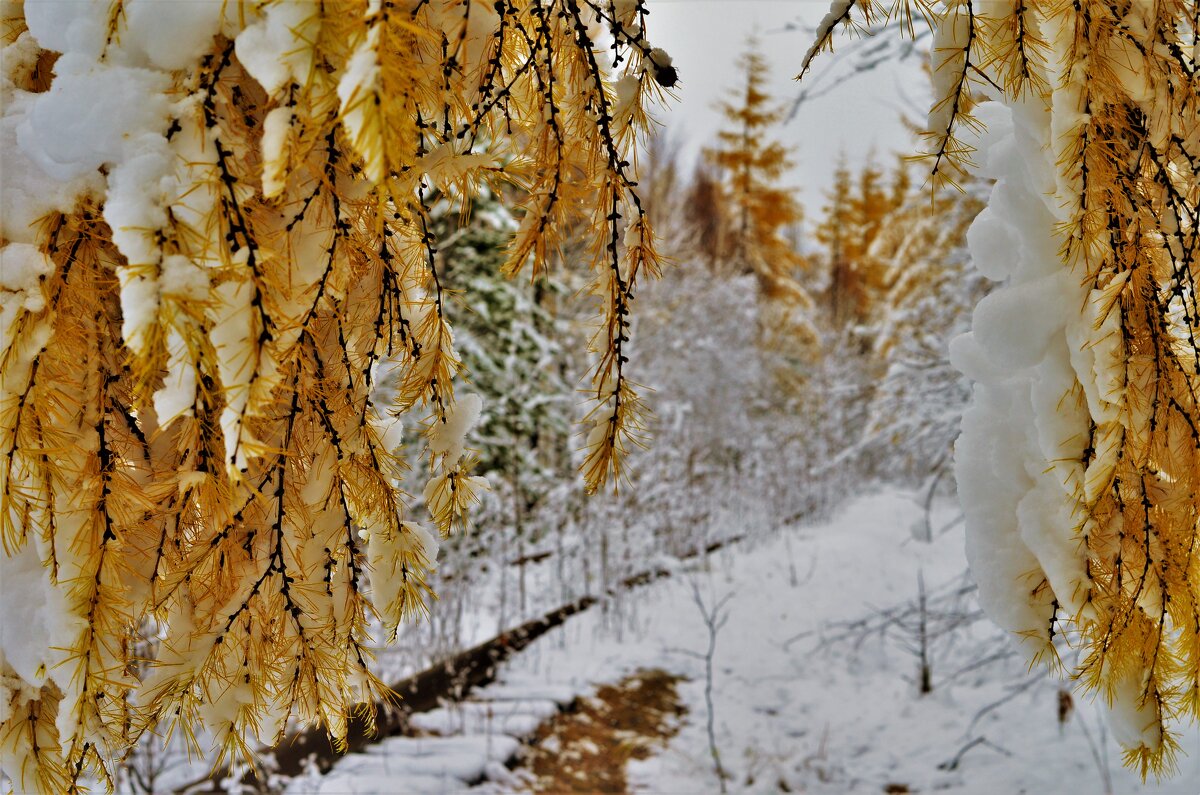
{"x":417,"y":396}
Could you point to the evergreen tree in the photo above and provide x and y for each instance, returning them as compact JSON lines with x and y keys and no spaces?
{"x":511,"y":343}
{"x":752,"y":163}
{"x":708,"y":218}
{"x":852,"y":218}
{"x":834,"y":233}
{"x":516,"y":355}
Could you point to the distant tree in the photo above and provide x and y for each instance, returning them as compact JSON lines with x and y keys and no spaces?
{"x":852,"y":219}
{"x":663,"y":185}
{"x":834,"y":233}
{"x":870,"y":205}
{"x":516,"y":351}
{"x":708,"y":218}
{"x":511,"y":343}
{"x":751,"y":164}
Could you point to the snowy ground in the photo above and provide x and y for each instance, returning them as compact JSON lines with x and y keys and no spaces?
{"x":815,"y":681}
{"x":805,"y":701}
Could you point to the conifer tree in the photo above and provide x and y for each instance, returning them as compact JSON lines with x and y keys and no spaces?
{"x":708,"y":217}
{"x":901,"y":184}
{"x":202,"y":278}
{"x":509,"y":338}
{"x":834,"y":233}
{"x":853,"y":217}
{"x":1079,"y":462}
{"x":752,"y":163}
{"x":516,"y":353}
{"x":870,"y":205}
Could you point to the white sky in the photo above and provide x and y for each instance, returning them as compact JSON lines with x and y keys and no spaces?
{"x":705,"y":38}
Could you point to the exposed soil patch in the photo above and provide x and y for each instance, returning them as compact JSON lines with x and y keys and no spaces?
{"x":586,"y":750}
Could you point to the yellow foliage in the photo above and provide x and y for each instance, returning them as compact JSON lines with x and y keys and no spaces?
{"x":853,"y":219}
{"x":751,"y":163}
{"x":1117,"y":80}
{"x":216,"y":475}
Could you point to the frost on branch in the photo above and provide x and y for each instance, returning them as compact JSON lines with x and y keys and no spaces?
{"x":1079,"y":461}
{"x":216,"y":226}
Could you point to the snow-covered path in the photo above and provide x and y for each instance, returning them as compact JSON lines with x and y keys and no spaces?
{"x":827,"y":716}
{"x":807,"y":701}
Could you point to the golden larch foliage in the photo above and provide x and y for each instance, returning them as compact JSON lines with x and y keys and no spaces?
{"x":852,"y":220}
{"x":752,"y":163}
{"x":1117,"y":82}
{"x":207,"y":468}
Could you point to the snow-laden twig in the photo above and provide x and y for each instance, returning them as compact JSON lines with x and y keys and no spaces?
{"x":1097,"y":750}
{"x":715,"y":617}
{"x":952,"y":764}
{"x":1013,"y":692}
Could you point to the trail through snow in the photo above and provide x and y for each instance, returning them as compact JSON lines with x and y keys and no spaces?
{"x":808,"y":697}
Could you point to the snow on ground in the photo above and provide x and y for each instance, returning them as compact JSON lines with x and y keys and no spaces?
{"x":412,"y":765}
{"x":798,"y":707}
{"x":815,"y":680}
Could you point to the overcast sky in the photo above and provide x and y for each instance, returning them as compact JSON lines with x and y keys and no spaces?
{"x":705,"y":38}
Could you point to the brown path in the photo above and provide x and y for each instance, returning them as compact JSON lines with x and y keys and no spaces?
{"x":586,"y":749}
